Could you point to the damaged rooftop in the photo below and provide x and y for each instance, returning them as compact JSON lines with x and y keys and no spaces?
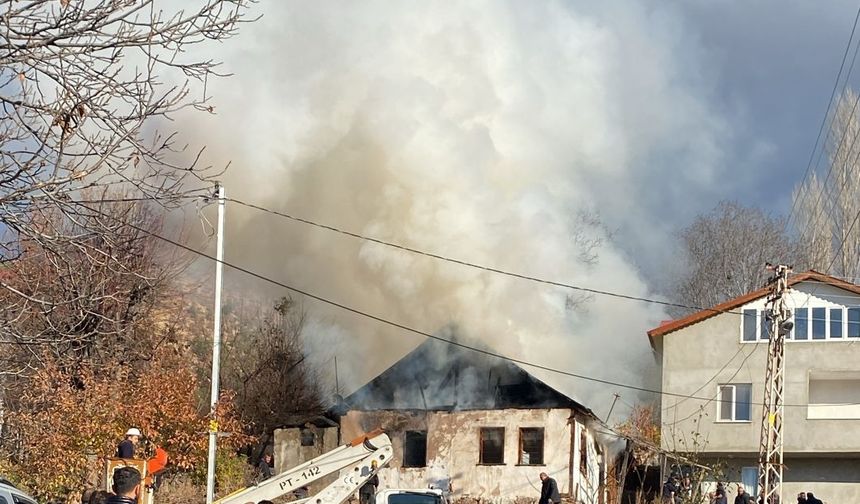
{"x":439,"y":376}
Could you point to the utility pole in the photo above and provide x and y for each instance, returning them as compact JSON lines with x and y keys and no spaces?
{"x":216,"y":347}
{"x":770,"y":458}
{"x":617,"y":397}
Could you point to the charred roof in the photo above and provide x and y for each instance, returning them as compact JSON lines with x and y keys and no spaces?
{"x":438,"y":376}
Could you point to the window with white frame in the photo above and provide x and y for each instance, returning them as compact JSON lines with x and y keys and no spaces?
{"x":816,"y":323}
{"x":735,"y":402}
{"x":749,"y":326}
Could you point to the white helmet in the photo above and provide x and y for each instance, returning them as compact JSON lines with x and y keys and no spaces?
{"x":134,"y":431}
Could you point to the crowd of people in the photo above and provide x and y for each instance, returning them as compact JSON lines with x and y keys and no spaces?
{"x":680,"y":491}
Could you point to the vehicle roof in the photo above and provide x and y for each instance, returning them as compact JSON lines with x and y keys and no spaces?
{"x":434,"y":491}
{"x":9,"y":487}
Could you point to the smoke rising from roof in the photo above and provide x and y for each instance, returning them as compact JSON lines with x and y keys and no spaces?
{"x":493,"y":132}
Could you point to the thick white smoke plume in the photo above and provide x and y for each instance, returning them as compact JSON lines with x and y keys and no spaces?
{"x":485,"y":131}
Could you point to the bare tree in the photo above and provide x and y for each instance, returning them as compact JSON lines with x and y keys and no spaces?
{"x":828,"y":210}
{"x":82,"y":300}
{"x":264,"y":363}
{"x":816,"y":240}
{"x":84,"y":88}
{"x":726,"y":251}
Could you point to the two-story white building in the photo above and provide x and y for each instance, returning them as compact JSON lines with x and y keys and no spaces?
{"x":718,"y":356}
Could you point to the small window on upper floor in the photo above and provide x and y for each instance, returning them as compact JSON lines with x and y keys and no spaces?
{"x":819,"y":323}
{"x":735,"y":404}
{"x":854,"y":322}
{"x":764,"y":326}
{"x":836,"y":323}
{"x":801,"y":324}
{"x":749,"y":325}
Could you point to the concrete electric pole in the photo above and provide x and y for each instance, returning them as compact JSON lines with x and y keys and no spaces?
{"x":216,"y":347}
{"x":771,"y":445}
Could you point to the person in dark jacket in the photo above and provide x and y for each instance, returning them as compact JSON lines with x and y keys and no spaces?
{"x":126,"y":486}
{"x":720,"y":496}
{"x":811,"y":499}
{"x":126,"y":447}
{"x":548,"y":490}
{"x":670,"y":490}
{"x":99,"y":497}
{"x":368,"y":490}
{"x":266,"y":467}
{"x":742,"y":497}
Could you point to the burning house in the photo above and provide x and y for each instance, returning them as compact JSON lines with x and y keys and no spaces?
{"x":479,"y":426}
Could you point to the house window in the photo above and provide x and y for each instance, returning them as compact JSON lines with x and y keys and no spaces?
{"x":307,"y":437}
{"x":749,"y":325}
{"x":749,"y":478}
{"x":819,"y":323}
{"x":834,"y":397}
{"x":854,"y":322}
{"x":735,"y":404}
{"x":531,"y":446}
{"x":415,"y":449}
{"x":801,"y":324}
{"x":492,"y":445}
{"x":583,"y":452}
{"x":764,"y":326}
{"x":836,"y":323}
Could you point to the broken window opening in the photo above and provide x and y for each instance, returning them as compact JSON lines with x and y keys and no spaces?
{"x":531,"y":446}
{"x":583,"y":452}
{"x":307,"y":437}
{"x":415,"y":449}
{"x":492,"y":448}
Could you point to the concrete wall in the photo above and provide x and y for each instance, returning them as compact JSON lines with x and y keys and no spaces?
{"x":833,"y":480}
{"x":289,"y":452}
{"x":692,"y":359}
{"x":453,"y":451}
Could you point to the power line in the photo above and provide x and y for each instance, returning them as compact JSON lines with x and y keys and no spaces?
{"x":712,"y":399}
{"x":469,"y":264}
{"x":740,"y":349}
{"x":827,"y":111}
{"x":399,"y":325}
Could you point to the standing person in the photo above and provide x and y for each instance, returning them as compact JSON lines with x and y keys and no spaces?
{"x":742,"y":497}
{"x":125,"y":449}
{"x":773,"y":499}
{"x":686,"y":490}
{"x":801,"y":498}
{"x":266,"y":467}
{"x":670,"y":490}
{"x":126,"y":486}
{"x":720,"y":496}
{"x":99,"y":497}
{"x":548,"y":490}
{"x":812,"y":499}
{"x":368,"y":490}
